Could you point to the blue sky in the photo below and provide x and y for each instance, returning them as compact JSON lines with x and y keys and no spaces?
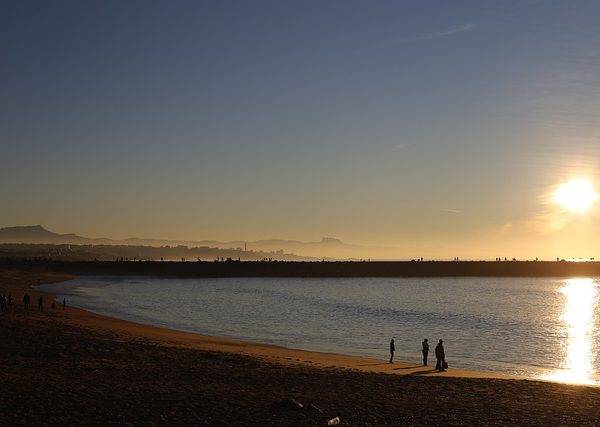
{"x":431,"y":124}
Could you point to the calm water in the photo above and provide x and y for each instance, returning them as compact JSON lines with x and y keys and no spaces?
{"x":540,"y":328}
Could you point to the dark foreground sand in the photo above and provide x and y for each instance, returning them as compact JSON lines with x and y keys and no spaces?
{"x":72,"y":367}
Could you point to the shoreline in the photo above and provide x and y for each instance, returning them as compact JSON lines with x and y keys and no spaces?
{"x":269,"y":352}
{"x":74,"y":367}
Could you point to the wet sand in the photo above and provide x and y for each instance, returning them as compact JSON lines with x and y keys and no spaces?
{"x":73,"y":366}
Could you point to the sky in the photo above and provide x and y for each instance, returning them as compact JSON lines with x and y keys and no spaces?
{"x":440,"y":128}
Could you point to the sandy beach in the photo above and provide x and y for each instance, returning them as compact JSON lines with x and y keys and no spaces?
{"x":72,"y":366}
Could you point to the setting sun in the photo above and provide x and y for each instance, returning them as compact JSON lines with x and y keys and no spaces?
{"x":577,"y":195}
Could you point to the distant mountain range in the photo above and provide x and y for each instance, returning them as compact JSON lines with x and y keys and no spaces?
{"x":327,"y":247}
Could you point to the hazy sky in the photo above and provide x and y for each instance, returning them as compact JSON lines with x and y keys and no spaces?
{"x":431,"y":125}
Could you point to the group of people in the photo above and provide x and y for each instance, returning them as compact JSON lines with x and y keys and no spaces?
{"x":440,"y":354}
{"x":27,"y":300}
{"x":6,"y":301}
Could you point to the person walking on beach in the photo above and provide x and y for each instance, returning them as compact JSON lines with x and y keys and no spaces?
{"x":41,"y":303}
{"x":392,"y":350}
{"x":26,"y":301}
{"x":440,"y":355}
{"x":425,"y":350}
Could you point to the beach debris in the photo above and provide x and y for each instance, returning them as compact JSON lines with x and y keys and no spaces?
{"x":334,"y":421}
{"x":314,"y":407}
{"x":286,"y":405}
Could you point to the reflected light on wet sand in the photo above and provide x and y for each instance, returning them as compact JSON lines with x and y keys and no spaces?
{"x":578,"y":317}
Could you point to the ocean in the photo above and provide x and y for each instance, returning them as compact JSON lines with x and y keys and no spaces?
{"x":532,"y":327}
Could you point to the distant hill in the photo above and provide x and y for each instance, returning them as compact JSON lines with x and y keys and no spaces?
{"x":327,"y":247}
{"x":38,"y":234}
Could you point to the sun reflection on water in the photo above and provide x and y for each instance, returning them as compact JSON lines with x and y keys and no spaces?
{"x":578,"y":317}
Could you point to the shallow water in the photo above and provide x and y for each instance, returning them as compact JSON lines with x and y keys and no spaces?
{"x":538,"y":328}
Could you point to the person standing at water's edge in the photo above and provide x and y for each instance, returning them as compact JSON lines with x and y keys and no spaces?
{"x":425,"y":351}
{"x":440,"y":355}
{"x":392,"y":350}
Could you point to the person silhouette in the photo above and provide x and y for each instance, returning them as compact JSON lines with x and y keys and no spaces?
{"x":425,"y":350}
{"x":64,"y":303}
{"x":392,"y":350}
{"x":26,"y":301}
{"x":41,"y":303}
{"x":440,"y":355}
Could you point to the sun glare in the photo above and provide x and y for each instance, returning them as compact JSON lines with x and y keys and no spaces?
{"x":577,"y":195}
{"x":578,"y":318}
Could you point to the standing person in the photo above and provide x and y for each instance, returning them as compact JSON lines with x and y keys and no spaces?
{"x":64,"y":303}
{"x":392,"y":350}
{"x":440,"y":355}
{"x":425,"y":350}
{"x":41,"y":303}
{"x":26,"y":301}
